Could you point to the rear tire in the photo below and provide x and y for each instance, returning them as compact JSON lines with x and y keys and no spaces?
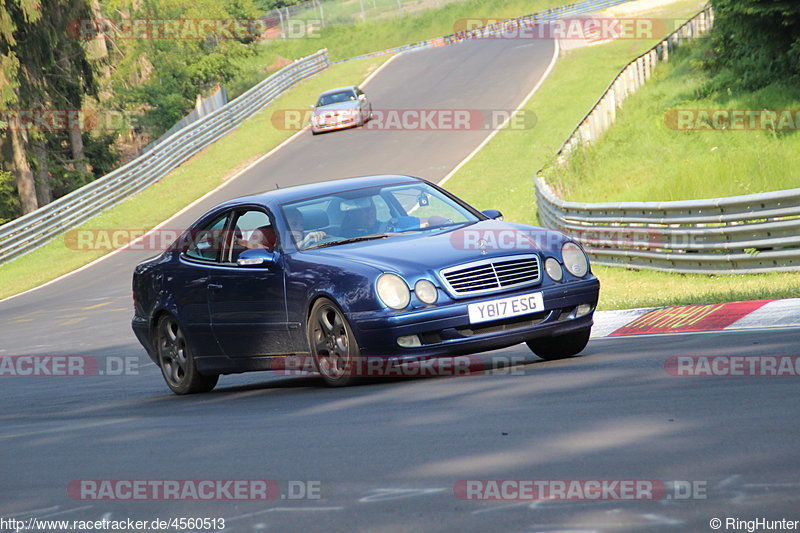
{"x":176,"y":360}
{"x":560,"y":346}
{"x":332,"y":343}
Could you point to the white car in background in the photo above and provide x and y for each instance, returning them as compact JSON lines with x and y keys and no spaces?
{"x":340,"y":108}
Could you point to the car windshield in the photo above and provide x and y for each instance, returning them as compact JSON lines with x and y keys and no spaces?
{"x":372,"y":213}
{"x":336,"y":98}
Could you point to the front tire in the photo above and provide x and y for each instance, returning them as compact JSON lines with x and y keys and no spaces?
{"x":176,"y":360}
{"x":560,"y":346}
{"x":332,"y":343}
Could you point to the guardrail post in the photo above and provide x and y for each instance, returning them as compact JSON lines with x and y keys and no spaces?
{"x":586,"y":132}
{"x":612,"y":107}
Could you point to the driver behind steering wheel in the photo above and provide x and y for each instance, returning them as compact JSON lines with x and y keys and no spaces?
{"x":294,"y":218}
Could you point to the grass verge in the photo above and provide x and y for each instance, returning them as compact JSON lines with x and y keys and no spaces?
{"x":666,"y":163}
{"x":190,"y":181}
{"x":500,"y":176}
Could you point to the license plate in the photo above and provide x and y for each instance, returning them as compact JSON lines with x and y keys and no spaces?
{"x":505,"y":307}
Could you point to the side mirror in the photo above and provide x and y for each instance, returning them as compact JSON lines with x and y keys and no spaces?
{"x":312,"y":107}
{"x":494,"y":214}
{"x":257,"y":257}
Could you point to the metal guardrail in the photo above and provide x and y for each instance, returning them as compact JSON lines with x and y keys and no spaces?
{"x":35,"y":229}
{"x":738,"y":234}
{"x":578,"y":8}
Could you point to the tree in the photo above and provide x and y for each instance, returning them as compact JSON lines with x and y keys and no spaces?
{"x":48,"y":70}
{"x":157,"y":80}
{"x":14,"y":15}
{"x":758,"y":40}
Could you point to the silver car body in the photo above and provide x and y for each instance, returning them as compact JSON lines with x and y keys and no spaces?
{"x":340,"y":108}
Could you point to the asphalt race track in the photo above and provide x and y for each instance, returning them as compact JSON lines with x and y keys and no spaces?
{"x":389,"y":455}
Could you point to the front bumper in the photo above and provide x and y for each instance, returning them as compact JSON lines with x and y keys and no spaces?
{"x":338,"y":125}
{"x":445,"y":330}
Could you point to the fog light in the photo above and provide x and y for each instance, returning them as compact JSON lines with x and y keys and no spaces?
{"x":583,"y":310}
{"x":408,"y":341}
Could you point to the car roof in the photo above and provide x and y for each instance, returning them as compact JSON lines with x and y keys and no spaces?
{"x":331,"y":91}
{"x":300,"y":192}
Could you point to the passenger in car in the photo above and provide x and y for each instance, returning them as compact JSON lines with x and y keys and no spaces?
{"x":263,"y":237}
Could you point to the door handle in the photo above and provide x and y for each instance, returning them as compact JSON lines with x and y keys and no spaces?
{"x":214,"y":286}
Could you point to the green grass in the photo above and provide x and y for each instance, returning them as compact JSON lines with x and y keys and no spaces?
{"x":193,"y":179}
{"x":500,"y":176}
{"x":626,"y":289}
{"x":349,"y":11}
{"x":669,"y":164}
{"x":350,"y":40}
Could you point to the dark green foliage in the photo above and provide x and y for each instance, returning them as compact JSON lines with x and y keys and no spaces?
{"x":9,"y":202}
{"x":756,"y":42}
{"x":46,"y":63}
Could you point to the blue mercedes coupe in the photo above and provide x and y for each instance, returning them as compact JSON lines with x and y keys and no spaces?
{"x":388,"y":267}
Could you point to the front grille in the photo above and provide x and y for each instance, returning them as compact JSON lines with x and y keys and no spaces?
{"x":490,"y":275}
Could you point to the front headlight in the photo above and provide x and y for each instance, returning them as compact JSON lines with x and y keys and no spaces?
{"x":393,"y":291}
{"x":425,"y":291}
{"x":574,"y":259}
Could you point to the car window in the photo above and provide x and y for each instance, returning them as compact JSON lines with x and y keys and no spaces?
{"x":431,"y":205}
{"x":208,"y":242}
{"x":372,"y":211}
{"x":336,"y":98}
{"x":252,"y":229}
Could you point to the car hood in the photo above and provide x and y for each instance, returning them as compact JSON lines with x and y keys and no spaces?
{"x":413,"y":254}
{"x":341,"y":106}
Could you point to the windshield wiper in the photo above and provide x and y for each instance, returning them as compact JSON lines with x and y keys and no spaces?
{"x":353,"y":239}
{"x":441,"y":226}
